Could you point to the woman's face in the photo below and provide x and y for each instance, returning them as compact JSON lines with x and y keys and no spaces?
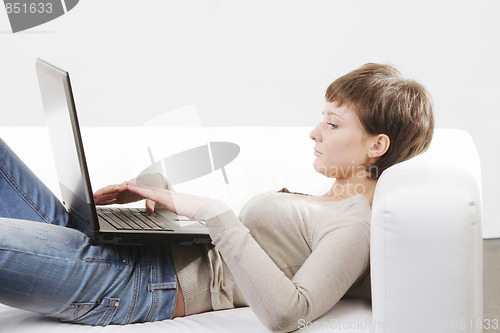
{"x":342,"y":144}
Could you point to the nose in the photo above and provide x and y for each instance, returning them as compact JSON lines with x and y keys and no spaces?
{"x":315,"y":134}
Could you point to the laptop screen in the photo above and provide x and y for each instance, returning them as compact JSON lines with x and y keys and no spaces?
{"x":62,"y":123}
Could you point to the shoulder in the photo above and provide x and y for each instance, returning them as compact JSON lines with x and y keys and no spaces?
{"x":359,"y":205}
{"x":343,"y":221}
{"x":355,"y":208}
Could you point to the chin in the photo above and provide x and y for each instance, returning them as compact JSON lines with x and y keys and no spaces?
{"x":323,"y":170}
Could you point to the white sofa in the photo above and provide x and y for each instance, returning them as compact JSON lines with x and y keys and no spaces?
{"x":426,"y":242}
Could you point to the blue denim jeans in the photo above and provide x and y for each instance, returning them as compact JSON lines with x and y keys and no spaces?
{"x":50,"y":268}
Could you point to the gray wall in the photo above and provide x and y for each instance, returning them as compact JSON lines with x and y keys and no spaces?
{"x":260,"y":63}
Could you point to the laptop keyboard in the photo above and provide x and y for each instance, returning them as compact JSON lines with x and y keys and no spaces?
{"x":133,"y":219}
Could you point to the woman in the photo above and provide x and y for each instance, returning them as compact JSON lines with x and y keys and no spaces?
{"x":288,"y":256}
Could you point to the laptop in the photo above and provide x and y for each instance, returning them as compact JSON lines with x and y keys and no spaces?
{"x":104,"y":224}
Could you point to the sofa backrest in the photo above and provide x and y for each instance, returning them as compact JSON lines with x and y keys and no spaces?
{"x":426,"y":241}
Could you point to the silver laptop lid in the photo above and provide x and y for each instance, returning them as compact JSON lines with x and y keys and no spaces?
{"x":64,"y":131}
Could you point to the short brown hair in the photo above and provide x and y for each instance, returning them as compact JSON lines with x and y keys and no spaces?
{"x":387,"y":103}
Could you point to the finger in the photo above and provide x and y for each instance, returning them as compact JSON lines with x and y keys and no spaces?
{"x":152,"y":194}
{"x":105,"y":202}
{"x":105,"y":190}
{"x":114,"y":188}
{"x":122,"y":187}
{"x":106,"y":196}
{"x":150,"y":205}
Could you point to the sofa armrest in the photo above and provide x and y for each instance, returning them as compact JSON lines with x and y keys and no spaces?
{"x":426,"y":241}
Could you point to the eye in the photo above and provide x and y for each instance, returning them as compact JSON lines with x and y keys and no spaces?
{"x":332,"y":125}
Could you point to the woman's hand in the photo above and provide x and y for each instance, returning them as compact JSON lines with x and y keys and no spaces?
{"x":120,"y":194}
{"x":179,"y":203}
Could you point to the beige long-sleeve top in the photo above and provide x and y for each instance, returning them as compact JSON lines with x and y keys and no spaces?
{"x":288,"y":257}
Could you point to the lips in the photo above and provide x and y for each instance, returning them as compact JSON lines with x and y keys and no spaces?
{"x":317,"y":153}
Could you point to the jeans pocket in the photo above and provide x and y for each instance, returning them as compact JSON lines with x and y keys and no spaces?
{"x":98,"y":313}
{"x":164,"y":295}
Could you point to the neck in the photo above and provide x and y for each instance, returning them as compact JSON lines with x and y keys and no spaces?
{"x":345,"y":188}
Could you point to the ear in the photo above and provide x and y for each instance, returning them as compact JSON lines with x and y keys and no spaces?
{"x":379,"y":145}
